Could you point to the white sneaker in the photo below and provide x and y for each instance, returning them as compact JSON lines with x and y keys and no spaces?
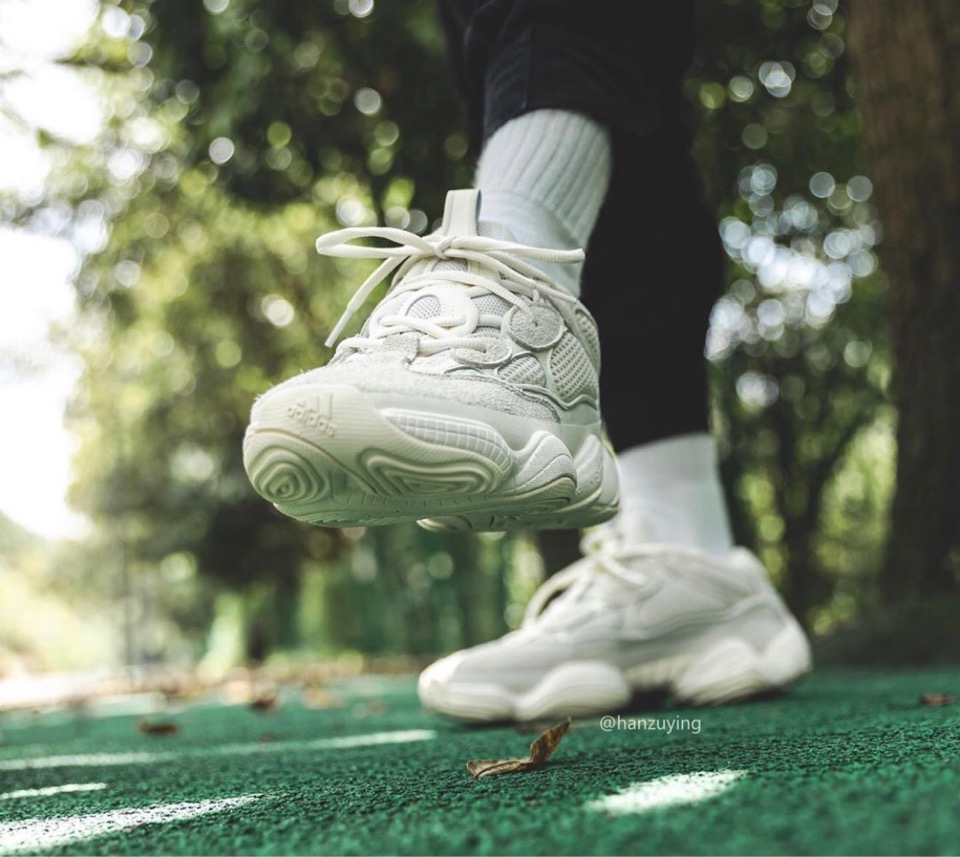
{"x":628,"y":619}
{"x":469,"y":400}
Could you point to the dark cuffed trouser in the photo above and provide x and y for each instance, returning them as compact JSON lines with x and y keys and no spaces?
{"x":654,"y":263}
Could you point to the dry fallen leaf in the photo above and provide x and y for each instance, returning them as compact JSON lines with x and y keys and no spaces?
{"x":540,"y":751}
{"x":159,"y":727}
{"x":937,"y":699}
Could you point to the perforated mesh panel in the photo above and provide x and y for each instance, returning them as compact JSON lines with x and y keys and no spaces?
{"x":573,"y":374}
{"x":491,"y":304}
{"x":525,"y":369}
{"x":425,"y":307}
{"x":589,"y":332}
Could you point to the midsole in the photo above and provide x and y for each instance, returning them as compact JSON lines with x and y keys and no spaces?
{"x":488,"y":700}
{"x":756,"y":622}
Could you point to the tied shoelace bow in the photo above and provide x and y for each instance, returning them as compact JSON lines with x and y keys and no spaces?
{"x":605,"y":552}
{"x":506,"y":258}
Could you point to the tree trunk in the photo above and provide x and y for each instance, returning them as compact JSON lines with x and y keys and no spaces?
{"x":908,"y":82}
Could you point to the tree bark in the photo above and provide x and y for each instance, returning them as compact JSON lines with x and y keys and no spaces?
{"x":907,"y":59}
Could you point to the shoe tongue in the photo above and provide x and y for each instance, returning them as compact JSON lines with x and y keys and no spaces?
{"x":460,"y":213}
{"x":444,"y":298}
{"x":595,"y":586}
{"x":460,"y":217}
{"x":590,"y":591}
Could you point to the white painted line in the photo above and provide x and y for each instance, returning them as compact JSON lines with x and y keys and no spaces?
{"x":345,"y":742}
{"x":88,"y":760}
{"x":675,"y":790}
{"x":54,"y":790}
{"x":94,"y":760}
{"x":39,"y":834}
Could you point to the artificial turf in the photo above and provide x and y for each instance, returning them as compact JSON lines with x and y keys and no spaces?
{"x":848,"y":762}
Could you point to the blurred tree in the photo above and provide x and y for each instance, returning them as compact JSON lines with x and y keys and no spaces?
{"x":798,"y":351}
{"x":909,"y":87}
{"x":257,"y":128}
{"x":237,"y":130}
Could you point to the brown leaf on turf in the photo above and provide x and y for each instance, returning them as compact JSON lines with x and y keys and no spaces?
{"x":937,"y":699}
{"x":540,"y":751}
{"x":158,"y":727}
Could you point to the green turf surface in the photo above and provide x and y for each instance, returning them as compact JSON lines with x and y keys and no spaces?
{"x":847,"y":763}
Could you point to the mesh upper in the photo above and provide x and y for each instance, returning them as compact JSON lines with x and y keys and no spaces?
{"x":573,"y":373}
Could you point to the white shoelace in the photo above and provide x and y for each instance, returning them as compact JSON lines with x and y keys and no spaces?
{"x":506,"y":258}
{"x":605,"y":553}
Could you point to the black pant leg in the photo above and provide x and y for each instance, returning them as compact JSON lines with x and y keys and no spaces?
{"x":653,"y":271}
{"x":621,"y":66}
{"x":654,"y":261}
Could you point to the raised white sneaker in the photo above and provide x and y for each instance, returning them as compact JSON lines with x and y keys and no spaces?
{"x":469,"y":400}
{"x":629,"y":618}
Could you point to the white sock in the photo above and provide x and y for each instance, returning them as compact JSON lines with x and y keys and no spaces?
{"x":543,"y":176}
{"x":670,"y":491}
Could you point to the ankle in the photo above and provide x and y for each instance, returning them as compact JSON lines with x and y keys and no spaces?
{"x":671,"y":492}
{"x":543,"y":175}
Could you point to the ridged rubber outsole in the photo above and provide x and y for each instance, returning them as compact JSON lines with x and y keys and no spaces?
{"x":730,"y":671}
{"x":327,"y":456}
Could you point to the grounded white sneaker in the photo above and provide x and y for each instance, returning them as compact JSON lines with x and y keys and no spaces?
{"x":469,"y":400}
{"x":628,"y":619}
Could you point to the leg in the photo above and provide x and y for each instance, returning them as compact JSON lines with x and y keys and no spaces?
{"x":652,"y":276}
{"x":555,"y":94}
{"x":509,"y":57}
{"x":661,"y":601}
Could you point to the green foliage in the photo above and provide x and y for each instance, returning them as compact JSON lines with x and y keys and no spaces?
{"x":240,"y":130}
{"x":276,"y":125}
{"x":798,"y":343}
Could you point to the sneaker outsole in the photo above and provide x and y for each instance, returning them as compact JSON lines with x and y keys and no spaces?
{"x":327,"y":456}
